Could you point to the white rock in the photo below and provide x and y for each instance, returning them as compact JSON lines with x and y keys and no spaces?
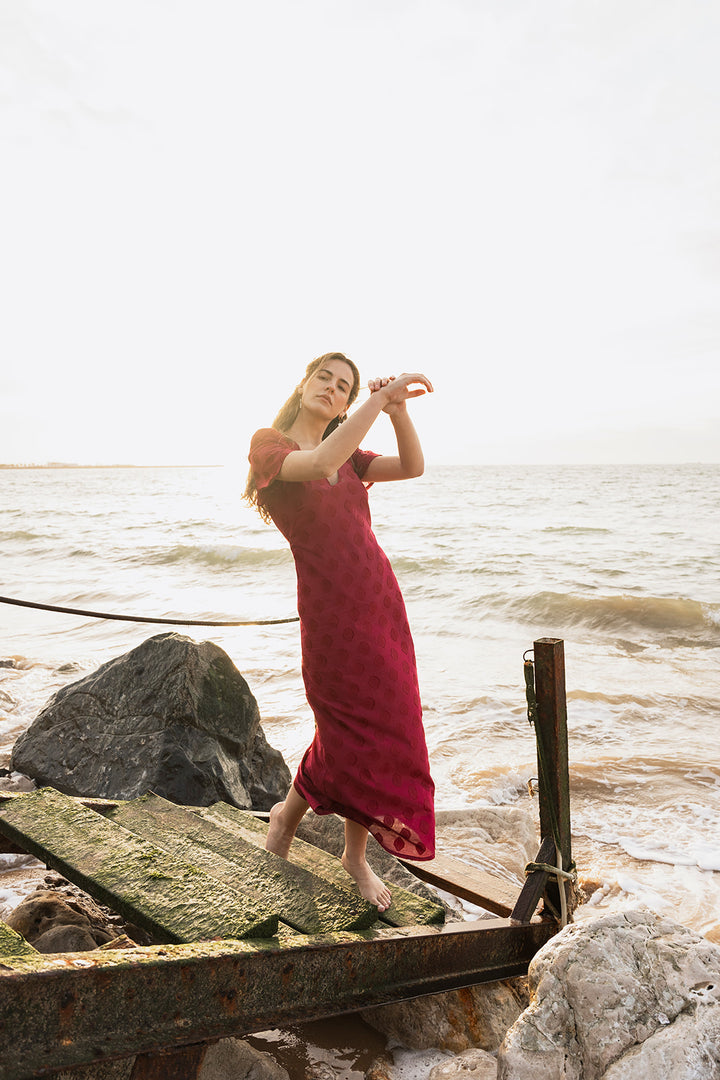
{"x":477,"y":1016}
{"x":470,"y":1065}
{"x":239,"y":1060}
{"x":624,"y":986}
{"x":687,"y":1050}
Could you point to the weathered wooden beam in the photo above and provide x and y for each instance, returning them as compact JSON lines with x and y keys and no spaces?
{"x":535,"y":884}
{"x":84,"y":1007}
{"x":172,"y":900}
{"x":407,"y":909}
{"x":469,"y":882}
{"x":552,"y":751}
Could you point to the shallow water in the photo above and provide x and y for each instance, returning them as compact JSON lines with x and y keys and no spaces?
{"x":622,"y":562}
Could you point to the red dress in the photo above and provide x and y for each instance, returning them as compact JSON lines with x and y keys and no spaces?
{"x":368,"y":760}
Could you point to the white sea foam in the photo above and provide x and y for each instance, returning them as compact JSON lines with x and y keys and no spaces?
{"x":416,"y":1064}
{"x":621,"y":562}
{"x":12,"y":895}
{"x":15,"y":861}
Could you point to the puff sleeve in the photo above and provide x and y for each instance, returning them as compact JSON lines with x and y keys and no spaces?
{"x":360,"y":461}
{"x":268,"y":450}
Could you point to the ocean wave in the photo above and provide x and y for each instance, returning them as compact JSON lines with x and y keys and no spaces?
{"x":409,"y":564}
{"x":577,"y":530}
{"x":217,"y":556}
{"x":645,"y":702}
{"x":22,"y":535}
{"x":699,"y":622}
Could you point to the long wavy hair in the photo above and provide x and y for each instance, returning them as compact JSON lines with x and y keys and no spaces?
{"x":288,"y":414}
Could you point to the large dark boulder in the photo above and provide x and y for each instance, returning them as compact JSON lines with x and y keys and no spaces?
{"x":172,"y":716}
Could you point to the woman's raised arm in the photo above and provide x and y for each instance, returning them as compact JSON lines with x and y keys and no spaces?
{"x":389,"y":395}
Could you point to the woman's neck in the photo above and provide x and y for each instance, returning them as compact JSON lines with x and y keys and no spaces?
{"x":307,"y":431}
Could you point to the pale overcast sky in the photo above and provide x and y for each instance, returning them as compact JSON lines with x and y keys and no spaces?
{"x":519,"y":198}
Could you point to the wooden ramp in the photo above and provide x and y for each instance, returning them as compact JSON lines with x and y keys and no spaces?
{"x":188,"y":875}
{"x":247,"y":940}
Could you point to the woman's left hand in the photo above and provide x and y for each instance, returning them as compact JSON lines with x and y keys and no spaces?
{"x":398,"y":402}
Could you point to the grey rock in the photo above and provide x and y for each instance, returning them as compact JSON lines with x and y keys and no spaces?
{"x":61,"y":939}
{"x":14,"y":781}
{"x":630,"y":994}
{"x":42,"y":914}
{"x":171,"y":716}
{"x":42,"y":911}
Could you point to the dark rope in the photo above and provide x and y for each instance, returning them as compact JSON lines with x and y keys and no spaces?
{"x":143,"y":618}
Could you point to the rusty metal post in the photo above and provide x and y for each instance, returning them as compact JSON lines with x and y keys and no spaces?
{"x":552,"y":748}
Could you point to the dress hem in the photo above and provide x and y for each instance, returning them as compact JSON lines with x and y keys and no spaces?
{"x":323,"y":811}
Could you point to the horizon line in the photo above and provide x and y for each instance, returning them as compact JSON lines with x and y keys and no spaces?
{"x":440,"y":464}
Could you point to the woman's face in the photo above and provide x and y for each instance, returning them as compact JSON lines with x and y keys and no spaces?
{"x":328,"y":388}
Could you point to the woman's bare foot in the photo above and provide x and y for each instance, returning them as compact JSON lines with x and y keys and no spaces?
{"x":370,"y":886}
{"x":279,"y":836}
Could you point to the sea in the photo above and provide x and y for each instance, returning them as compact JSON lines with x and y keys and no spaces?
{"x":621,"y":562}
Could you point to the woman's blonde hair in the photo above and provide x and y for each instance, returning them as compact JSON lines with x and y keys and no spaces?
{"x":288,"y":414}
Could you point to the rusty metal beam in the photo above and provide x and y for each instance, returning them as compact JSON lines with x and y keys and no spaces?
{"x":86,"y":1007}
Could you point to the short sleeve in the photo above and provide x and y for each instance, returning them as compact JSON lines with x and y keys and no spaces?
{"x":361,"y":459}
{"x":268,"y":450}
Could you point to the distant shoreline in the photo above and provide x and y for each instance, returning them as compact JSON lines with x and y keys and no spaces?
{"x":67,"y":465}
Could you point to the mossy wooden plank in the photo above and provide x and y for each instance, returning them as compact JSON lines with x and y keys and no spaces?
{"x":304,"y":901}
{"x":15,"y":951}
{"x":173,"y":900}
{"x":407,"y":909}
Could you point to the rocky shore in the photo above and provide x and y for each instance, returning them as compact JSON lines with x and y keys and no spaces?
{"x":623,"y":995}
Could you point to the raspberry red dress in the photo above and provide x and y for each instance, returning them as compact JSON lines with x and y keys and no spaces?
{"x":368,"y":760}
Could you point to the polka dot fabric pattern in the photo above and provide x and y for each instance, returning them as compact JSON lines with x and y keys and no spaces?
{"x":368,"y":760}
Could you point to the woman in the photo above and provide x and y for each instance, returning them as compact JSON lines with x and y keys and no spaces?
{"x":368,"y":760}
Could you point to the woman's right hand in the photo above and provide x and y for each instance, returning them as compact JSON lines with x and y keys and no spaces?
{"x":397,"y":390}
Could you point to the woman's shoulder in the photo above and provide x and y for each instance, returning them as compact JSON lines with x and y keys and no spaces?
{"x":270,"y":437}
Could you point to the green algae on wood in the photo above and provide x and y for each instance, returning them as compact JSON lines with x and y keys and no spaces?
{"x":307,"y":902}
{"x":175,"y":901}
{"x":15,"y":951}
{"x":407,"y":908}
